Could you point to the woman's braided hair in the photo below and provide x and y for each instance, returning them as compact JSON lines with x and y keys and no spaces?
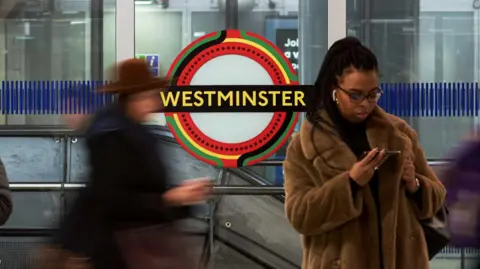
{"x":343,"y":54}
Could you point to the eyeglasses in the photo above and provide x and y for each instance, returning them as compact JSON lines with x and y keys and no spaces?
{"x":356,"y":97}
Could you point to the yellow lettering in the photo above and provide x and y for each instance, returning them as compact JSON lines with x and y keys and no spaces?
{"x":198,"y":99}
{"x":299,"y":98}
{"x":286,"y":97}
{"x":169,"y":98}
{"x":244,"y":98}
{"x":225,"y":97}
{"x":263,"y":99}
{"x":274,"y":97}
{"x":209,"y":97}
{"x":186,"y":98}
{"x":248,"y":98}
{"x":237,"y":98}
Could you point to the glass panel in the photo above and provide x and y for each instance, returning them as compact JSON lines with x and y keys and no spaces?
{"x":32,"y":159}
{"x":180,"y":22}
{"x":155,"y":25}
{"x":55,"y":40}
{"x":428,"y":42}
{"x":422,"y":41}
{"x":180,"y":164}
{"x":78,"y":167}
{"x":35,"y":210}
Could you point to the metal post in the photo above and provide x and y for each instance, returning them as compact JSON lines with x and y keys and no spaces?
{"x":65,"y":140}
{"x":231,"y":14}
{"x":96,"y":40}
{"x":50,"y":41}
{"x":125,"y":29}
{"x":337,"y":20}
{"x":221,"y":177}
{"x":211,"y":230}
{"x":313,"y":36}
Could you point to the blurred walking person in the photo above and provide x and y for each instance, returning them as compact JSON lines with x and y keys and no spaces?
{"x":6,"y":205}
{"x":128,"y":183}
{"x":462,"y":180}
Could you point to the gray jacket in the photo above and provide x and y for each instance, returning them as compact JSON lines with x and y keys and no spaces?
{"x":5,"y":195}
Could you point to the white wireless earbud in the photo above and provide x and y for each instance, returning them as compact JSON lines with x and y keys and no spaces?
{"x":334,"y":95}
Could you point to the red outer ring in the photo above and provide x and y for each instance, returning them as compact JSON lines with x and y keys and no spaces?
{"x":191,"y":45}
{"x":229,"y":49}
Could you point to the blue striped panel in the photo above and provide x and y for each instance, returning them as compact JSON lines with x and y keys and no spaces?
{"x":459,"y":99}
{"x":51,"y":97}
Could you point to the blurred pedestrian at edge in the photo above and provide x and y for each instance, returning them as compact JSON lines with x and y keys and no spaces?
{"x":5,"y":196}
{"x":128,"y":183}
{"x":462,"y":180}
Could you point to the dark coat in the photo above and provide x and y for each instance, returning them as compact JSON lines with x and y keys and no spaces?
{"x":5,"y":196}
{"x":125,"y":190}
{"x":463,"y":196}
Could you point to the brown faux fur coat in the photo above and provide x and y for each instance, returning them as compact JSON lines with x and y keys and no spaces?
{"x":339,"y":231}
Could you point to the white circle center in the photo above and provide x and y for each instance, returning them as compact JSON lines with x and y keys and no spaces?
{"x":231,"y":127}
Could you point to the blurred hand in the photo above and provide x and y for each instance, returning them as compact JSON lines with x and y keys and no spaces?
{"x":78,"y":263}
{"x":362,"y":171}
{"x":190,"y":192}
{"x":408,"y":176}
{"x":53,"y":257}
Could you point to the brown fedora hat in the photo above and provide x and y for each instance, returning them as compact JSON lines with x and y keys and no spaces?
{"x":134,"y":76}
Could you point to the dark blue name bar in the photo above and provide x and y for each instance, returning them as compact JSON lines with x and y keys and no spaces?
{"x":82,"y":97}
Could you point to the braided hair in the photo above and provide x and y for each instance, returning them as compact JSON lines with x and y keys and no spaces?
{"x":343,"y":54}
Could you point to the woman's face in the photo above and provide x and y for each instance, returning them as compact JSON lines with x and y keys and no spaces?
{"x":357,"y":94}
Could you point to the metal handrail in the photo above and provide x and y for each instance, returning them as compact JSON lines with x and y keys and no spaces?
{"x":439,"y":162}
{"x":38,"y":131}
{"x":217,"y":189}
{"x":277,"y":162}
{"x":42,"y":131}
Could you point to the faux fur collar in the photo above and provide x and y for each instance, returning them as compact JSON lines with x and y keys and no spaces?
{"x":384,"y":131}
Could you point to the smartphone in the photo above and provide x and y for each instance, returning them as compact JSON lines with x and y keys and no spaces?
{"x":387,"y":155}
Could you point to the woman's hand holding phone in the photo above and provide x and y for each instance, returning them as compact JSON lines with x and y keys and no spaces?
{"x":363,"y":170}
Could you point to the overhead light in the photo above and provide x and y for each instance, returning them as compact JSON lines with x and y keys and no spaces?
{"x":143,"y":2}
{"x":77,"y":22}
{"x":22,"y":37}
{"x":198,"y":34}
{"x":26,"y":28}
